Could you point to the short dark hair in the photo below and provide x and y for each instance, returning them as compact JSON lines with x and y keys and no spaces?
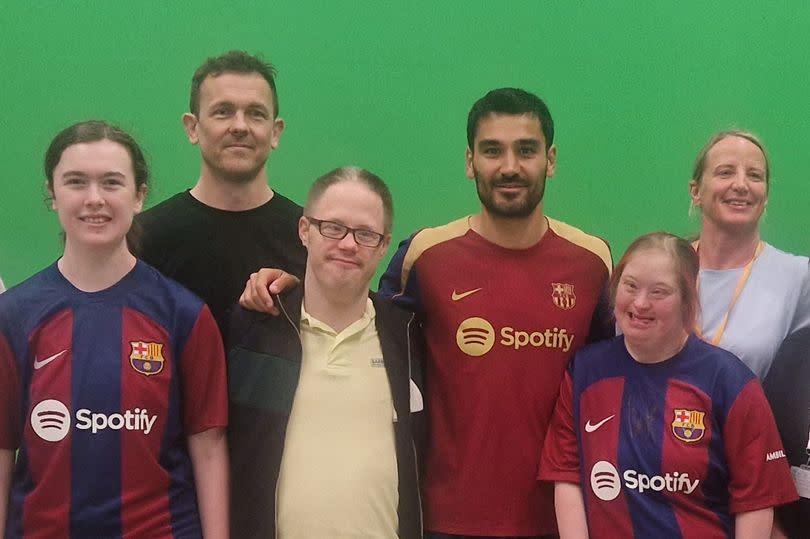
{"x":510,"y":101}
{"x":685,"y":262}
{"x":345,"y":174}
{"x":94,"y":131}
{"x":232,"y":62}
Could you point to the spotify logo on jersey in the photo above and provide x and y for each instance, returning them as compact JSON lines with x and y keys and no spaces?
{"x":475,"y":336}
{"x":50,"y":419}
{"x":605,"y":481}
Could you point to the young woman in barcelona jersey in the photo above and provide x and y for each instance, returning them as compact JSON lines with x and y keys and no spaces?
{"x":113,"y":393}
{"x":658,"y":433}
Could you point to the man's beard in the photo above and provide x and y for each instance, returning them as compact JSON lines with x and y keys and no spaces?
{"x":511,"y":210}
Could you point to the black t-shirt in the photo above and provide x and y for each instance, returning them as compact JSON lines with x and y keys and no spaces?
{"x":787,"y":386}
{"x":213,"y":252}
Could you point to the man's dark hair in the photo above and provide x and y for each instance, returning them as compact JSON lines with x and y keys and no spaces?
{"x":232,"y":62}
{"x":510,"y":101}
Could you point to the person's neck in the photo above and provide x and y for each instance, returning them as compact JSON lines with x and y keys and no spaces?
{"x":224,"y":194}
{"x":657,"y":352}
{"x":92,"y":270}
{"x":336,"y":309}
{"x":511,"y":232}
{"x":721,"y":249}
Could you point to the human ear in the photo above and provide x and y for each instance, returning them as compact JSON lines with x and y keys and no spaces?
{"x":190,"y":126}
{"x":303,"y":226}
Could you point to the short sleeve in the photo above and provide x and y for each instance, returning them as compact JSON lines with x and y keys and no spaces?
{"x":203,"y":379}
{"x":560,"y":458}
{"x":603,"y":323}
{"x":9,"y":397}
{"x":801,"y":317}
{"x":399,"y":283}
{"x":760,"y":475}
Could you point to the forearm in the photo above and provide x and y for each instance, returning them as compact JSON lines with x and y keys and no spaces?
{"x":754,"y":524}
{"x":209,"y":458}
{"x":777,"y":532}
{"x":6,"y":469}
{"x":570,"y":509}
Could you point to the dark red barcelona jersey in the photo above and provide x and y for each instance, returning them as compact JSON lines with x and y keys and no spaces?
{"x":500,"y":326}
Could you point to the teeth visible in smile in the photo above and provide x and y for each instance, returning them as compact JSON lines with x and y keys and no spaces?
{"x":95,"y":220}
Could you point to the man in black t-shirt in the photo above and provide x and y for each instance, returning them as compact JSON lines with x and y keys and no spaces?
{"x":231,"y":223}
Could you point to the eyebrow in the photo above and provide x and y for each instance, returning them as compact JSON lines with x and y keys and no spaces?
{"x":522,"y":142}
{"x":231,"y":103}
{"x":83,"y":173}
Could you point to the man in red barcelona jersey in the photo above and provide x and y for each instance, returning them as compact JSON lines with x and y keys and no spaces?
{"x":506,"y":297}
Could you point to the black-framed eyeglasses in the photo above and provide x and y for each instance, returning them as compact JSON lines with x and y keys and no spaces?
{"x":337,"y":231}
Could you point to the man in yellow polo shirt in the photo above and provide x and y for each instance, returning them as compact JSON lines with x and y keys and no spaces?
{"x":321,"y":397}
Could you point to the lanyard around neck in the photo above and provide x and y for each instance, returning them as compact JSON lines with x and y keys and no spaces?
{"x":741,"y":282}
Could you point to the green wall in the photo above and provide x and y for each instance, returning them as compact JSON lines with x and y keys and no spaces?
{"x":635,"y":89}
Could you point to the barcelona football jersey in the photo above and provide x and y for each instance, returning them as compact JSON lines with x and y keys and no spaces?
{"x":669,"y":449}
{"x":99,"y":393}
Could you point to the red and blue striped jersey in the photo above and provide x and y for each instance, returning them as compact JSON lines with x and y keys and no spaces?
{"x":670,"y":449}
{"x":99,"y":393}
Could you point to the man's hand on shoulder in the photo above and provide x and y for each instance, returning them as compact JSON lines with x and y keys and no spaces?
{"x":262,"y":285}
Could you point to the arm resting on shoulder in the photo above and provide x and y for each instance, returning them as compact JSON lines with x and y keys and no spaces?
{"x":6,"y":468}
{"x":570,"y":509}
{"x":209,"y":458}
{"x":262,"y":285}
{"x":754,"y":524}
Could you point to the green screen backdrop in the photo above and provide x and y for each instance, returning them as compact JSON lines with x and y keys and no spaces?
{"x":635,"y":89}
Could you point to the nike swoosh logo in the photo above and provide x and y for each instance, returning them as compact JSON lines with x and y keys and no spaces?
{"x":591,"y":428}
{"x":40,"y":364}
{"x":456,"y":296}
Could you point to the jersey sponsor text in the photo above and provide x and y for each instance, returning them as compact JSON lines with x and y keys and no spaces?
{"x":606,"y":485}
{"x":50,"y":420}
{"x":775,"y":455}
{"x":138,"y":419}
{"x":550,"y":338}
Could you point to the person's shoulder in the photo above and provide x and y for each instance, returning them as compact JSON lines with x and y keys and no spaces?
{"x":792,"y":361}
{"x":154,"y":284}
{"x":427,"y":238}
{"x":778,"y":258}
{"x":387,"y":310}
{"x":277,"y":213}
{"x":279,"y":201}
{"x":588,"y":243}
{"x":717,"y":367}
{"x":597,"y":351}
{"x":260,"y":331}
{"x":167,"y":208}
{"x":35,"y":296}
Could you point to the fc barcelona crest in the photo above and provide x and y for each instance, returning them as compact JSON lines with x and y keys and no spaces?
{"x":688,"y":425}
{"x":563,"y":295}
{"x":146,"y":357}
